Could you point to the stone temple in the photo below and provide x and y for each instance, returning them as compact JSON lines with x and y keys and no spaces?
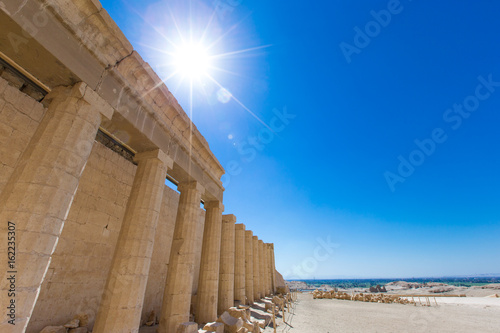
{"x":89,"y":134}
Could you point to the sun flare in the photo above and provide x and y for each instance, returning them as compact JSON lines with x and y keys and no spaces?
{"x":191,"y":60}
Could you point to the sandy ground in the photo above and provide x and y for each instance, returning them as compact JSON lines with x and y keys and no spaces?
{"x":453,"y":314}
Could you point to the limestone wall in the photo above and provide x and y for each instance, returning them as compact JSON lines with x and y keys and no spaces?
{"x":161,"y":254}
{"x":199,"y":242}
{"x":80,"y":264}
{"x":20,"y":115}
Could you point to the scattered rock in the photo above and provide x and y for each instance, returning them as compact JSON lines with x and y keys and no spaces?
{"x":491,"y":286}
{"x":214,"y":327}
{"x":231,"y":324}
{"x":375,"y":298}
{"x":378,"y":289}
{"x":72,"y":324}
{"x":238,"y":313}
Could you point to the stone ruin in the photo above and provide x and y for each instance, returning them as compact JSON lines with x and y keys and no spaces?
{"x":375,"y":298}
{"x":378,"y":289}
{"x":89,"y":135}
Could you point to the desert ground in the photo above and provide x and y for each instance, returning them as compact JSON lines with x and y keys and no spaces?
{"x":451,"y":314}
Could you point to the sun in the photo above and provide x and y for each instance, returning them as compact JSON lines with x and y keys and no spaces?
{"x":192,"y":60}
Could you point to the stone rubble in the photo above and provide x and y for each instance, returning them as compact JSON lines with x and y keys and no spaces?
{"x":375,"y":298}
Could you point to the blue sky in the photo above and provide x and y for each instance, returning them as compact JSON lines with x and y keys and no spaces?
{"x":325,"y":186}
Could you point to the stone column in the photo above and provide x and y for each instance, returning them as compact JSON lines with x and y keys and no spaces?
{"x":266,"y":270}
{"x":249,"y":267}
{"x":239,"y":264}
{"x":273,"y":270}
{"x":179,"y":283}
{"x":208,"y":286}
{"x":268,"y":256}
{"x":262,"y":268}
{"x":37,"y":197}
{"x":256,"y":269}
{"x":226,"y":277}
{"x":121,"y":305}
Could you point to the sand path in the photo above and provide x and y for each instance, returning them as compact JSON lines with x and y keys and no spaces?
{"x":453,"y":315}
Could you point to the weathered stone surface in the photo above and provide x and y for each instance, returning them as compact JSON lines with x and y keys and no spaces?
{"x":239,"y":264}
{"x":249,"y":293}
{"x":83,"y":319}
{"x":208,"y":285}
{"x":72,"y":324}
{"x":151,"y":319}
{"x":226,"y":275}
{"x":121,"y":305}
{"x":231,"y":324}
{"x":188,"y":327}
{"x":45,"y":182}
{"x":78,"y":330}
{"x":256,"y":269}
{"x":248,"y":325}
{"x":238,"y":313}
{"x":214,"y":327}
{"x":179,"y":284}
{"x":54,"y":329}
{"x":281,"y":287}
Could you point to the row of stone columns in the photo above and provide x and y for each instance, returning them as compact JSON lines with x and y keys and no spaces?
{"x":246,"y":269}
{"x":235,"y":268}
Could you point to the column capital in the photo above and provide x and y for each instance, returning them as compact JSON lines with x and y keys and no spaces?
{"x":229,"y":218}
{"x":239,"y":226}
{"x":193,"y":185}
{"x":214,"y":204}
{"x":167,"y":161}
{"x":249,"y":232}
{"x":255,"y":238}
{"x":82,"y":91}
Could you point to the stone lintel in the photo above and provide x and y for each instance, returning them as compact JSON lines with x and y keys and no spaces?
{"x":193,"y":185}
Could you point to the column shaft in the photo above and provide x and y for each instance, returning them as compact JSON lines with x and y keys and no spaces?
{"x":256,"y":269}
{"x":37,"y":197}
{"x":226,"y":277}
{"x":239,"y":264}
{"x":268,"y":265}
{"x":179,"y":283}
{"x":262,"y":269}
{"x":121,"y":305}
{"x":249,"y":267}
{"x":273,"y":270}
{"x":208,"y":286}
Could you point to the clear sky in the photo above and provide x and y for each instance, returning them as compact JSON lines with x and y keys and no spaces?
{"x":383,"y":157}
